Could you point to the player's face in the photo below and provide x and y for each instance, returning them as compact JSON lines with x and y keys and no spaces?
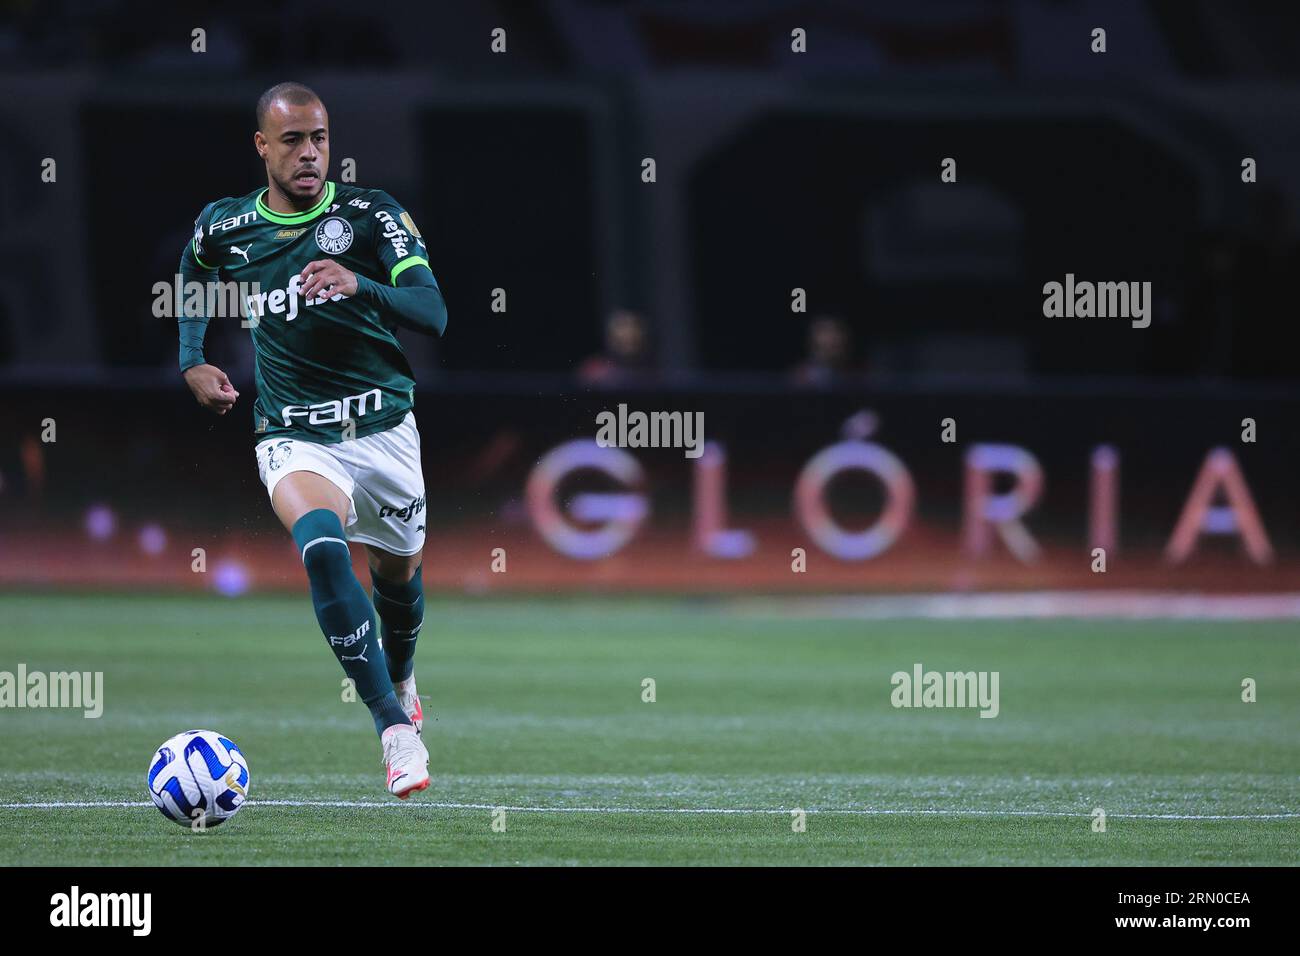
{"x":294,"y":142}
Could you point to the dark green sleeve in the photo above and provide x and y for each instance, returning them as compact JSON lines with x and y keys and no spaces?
{"x":416,"y":303}
{"x":192,"y":319}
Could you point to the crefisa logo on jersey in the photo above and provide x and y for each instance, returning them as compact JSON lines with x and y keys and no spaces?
{"x":334,"y":235}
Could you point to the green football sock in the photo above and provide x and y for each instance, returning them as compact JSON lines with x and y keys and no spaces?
{"x":344,"y":614}
{"x":401,"y":614}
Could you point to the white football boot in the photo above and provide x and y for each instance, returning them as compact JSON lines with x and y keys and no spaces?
{"x":406,"y":759}
{"x":410,"y":701}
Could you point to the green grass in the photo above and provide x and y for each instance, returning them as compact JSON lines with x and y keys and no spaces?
{"x":537,"y":704}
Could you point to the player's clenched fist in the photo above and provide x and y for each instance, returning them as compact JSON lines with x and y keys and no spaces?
{"x":326,"y":277}
{"x":211,"y":387}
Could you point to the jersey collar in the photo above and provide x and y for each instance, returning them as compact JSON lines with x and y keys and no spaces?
{"x":296,"y":218}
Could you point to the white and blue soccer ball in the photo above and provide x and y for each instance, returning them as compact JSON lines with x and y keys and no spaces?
{"x":198,"y":779}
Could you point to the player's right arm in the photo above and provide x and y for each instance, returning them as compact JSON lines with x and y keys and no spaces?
{"x":211,"y":387}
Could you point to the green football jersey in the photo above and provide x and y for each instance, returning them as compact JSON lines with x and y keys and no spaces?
{"x":329,"y":368}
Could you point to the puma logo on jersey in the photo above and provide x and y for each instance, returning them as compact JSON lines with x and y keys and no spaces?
{"x":242,"y":252}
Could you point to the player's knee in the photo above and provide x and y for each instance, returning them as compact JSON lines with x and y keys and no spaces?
{"x":396,"y":568}
{"x":409,"y":569}
{"x":324,"y":557}
{"x":324,"y":550}
{"x":329,"y":569}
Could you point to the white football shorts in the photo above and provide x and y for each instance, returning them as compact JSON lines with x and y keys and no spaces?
{"x":379,"y":473}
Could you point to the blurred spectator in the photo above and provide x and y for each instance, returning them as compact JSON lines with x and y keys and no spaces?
{"x":829,"y":354}
{"x":626,"y":354}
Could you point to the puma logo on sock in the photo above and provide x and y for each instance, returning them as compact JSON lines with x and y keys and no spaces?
{"x":361,"y":656}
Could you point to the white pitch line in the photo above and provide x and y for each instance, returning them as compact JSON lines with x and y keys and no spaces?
{"x":700,"y":811}
{"x":995,"y":605}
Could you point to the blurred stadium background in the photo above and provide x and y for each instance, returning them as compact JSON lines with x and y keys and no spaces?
{"x":774,"y":171}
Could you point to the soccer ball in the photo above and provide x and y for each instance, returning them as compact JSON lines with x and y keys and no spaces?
{"x":198,"y":779}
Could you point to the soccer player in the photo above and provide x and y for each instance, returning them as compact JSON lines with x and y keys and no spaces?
{"x":337,"y":268}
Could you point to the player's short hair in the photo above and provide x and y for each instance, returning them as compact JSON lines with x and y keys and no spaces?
{"x":295,"y":94}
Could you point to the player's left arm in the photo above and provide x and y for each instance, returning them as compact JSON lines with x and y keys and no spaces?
{"x":415,"y":301}
{"x":412,"y":296}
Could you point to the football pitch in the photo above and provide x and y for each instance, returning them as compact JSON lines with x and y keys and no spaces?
{"x":538,"y":707}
